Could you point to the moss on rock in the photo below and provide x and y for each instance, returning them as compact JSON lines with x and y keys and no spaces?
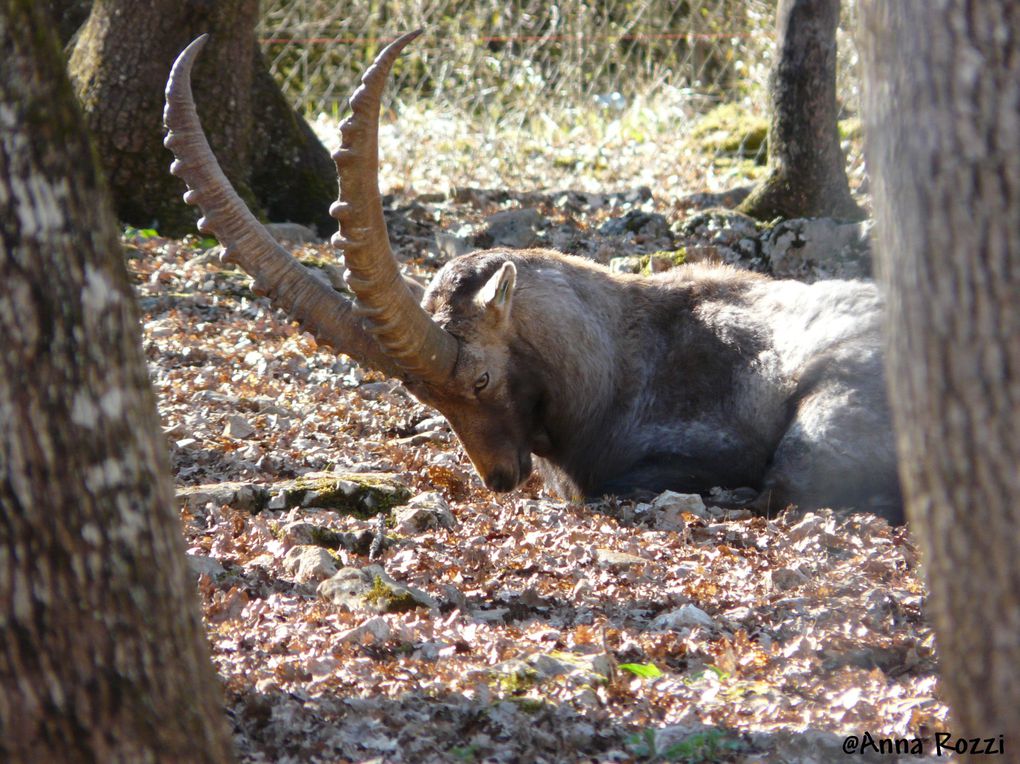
{"x":354,"y":493}
{"x":387,"y":598}
{"x":360,"y":494}
{"x":372,"y":589}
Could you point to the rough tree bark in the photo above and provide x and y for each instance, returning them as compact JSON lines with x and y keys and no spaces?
{"x":102,"y":652}
{"x":292,"y":173}
{"x":942,"y":101}
{"x":807,"y":169}
{"x":119,"y":67}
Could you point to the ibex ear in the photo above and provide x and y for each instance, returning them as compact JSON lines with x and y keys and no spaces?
{"x":498,"y":292}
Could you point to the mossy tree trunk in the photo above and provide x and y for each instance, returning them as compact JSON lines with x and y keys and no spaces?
{"x":807,"y":169}
{"x":119,"y":66}
{"x":103,"y":656}
{"x":293,"y":176}
{"x":942,"y":89}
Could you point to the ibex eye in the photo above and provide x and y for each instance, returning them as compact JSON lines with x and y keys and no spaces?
{"x":481,"y":382}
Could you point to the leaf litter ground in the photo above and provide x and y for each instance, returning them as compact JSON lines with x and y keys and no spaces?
{"x":562,"y":632}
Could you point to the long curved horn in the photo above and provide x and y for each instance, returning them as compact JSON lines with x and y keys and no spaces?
{"x":407,"y":333}
{"x":327,"y":314}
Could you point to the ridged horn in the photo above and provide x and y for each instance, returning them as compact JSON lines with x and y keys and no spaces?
{"x":406,"y":332}
{"x":320,"y":309}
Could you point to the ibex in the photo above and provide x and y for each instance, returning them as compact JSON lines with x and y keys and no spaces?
{"x":699,"y":377}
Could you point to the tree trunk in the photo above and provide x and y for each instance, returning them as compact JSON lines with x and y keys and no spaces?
{"x":942,"y":96}
{"x":292,"y":176}
{"x":807,"y":169}
{"x":119,"y":67}
{"x":103,"y":656}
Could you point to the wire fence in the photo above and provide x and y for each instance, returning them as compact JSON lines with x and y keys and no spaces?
{"x":531,"y":65}
{"x":507,"y":60}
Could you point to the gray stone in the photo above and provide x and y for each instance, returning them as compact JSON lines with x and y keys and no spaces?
{"x":671,"y":505}
{"x":708,"y":200}
{"x":573,"y":668}
{"x":612,"y":559}
{"x":627,"y":264}
{"x":450,"y":245}
{"x":377,"y":390}
{"x":298,"y":533}
{"x":372,"y":589}
{"x":421,"y":438}
{"x":686,"y":616}
{"x":811,"y":249}
{"x":650,"y":225}
{"x":294,"y":233}
{"x":245,"y":496}
{"x":787,"y":578}
{"x":345,"y":492}
{"x":424,"y":512}
{"x":490,"y":616}
{"x":261,"y":561}
{"x":201,"y":564}
{"x":373,"y":630}
{"x":720,"y":226}
{"x":722,"y":236}
{"x":432,"y":423}
{"x":238,"y":427}
{"x":332,"y":273}
{"x":516,"y":229}
{"x":309,"y":563}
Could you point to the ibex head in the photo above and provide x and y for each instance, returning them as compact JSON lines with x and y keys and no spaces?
{"x":494,"y":398}
{"x":457,"y":360}
{"x":454,"y":348}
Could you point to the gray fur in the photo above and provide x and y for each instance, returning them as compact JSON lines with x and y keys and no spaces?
{"x":699,"y":377}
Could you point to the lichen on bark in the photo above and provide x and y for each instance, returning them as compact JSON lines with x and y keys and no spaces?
{"x":103,"y":655}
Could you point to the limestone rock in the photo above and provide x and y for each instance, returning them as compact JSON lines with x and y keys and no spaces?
{"x":618,"y":560}
{"x":575,"y":669}
{"x":668,"y":507}
{"x":309,"y":563}
{"x":516,"y":229}
{"x":294,"y":233}
{"x":787,"y":578}
{"x":650,"y":225}
{"x":819,"y":248}
{"x":247,"y":496}
{"x":359,"y":493}
{"x":626,"y":264}
{"x":238,"y":427}
{"x":301,"y":533}
{"x":686,"y":616}
{"x":201,"y":564}
{"x":372,"y":589}
{"x":424,"y":512}
{"x":374,"y":629}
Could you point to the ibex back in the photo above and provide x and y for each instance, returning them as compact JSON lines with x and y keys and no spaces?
{"x":700,"y":377}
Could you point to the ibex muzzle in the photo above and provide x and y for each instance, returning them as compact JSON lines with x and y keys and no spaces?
{"x":700,"y":377}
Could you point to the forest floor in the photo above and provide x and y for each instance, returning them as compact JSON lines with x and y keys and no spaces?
{"x":535,"y":630}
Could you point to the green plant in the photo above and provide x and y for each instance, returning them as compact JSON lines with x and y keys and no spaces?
{"x":643,"y":670}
